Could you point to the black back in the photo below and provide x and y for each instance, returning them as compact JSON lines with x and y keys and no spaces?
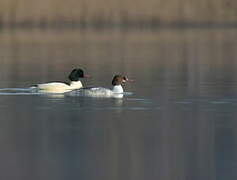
{"x":76,"y":74}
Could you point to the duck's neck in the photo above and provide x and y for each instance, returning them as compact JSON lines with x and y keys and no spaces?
{"x":76,"y":84}
{"x":117,"y":89}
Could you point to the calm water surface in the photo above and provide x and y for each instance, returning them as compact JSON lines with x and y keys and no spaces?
{"x":179,"y":124}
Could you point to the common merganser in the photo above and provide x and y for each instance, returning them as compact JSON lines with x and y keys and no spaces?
{"x":59,"y":87}
{"x":116,"y":91}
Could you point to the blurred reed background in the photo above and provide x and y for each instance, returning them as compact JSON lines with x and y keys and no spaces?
{"x":117,"y":12}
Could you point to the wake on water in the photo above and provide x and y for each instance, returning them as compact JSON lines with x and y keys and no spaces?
{"x":18,"y":91}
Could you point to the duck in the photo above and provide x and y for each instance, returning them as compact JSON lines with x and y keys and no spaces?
{"x":60,"y":87}
{"x":116,"y":91}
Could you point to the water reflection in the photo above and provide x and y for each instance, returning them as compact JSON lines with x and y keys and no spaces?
{"x":178,"y":124}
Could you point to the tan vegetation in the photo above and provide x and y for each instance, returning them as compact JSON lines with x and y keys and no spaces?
{"x":117,"y":11}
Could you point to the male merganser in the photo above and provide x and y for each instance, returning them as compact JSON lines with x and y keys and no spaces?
{"x":116,"y":91}
{"x":59,"y":87}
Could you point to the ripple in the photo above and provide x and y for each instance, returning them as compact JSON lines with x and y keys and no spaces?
{"x":221,"y":102}
{"x":137,"y":99}
{"x":138,"y":108}
{"x":183,"y":102}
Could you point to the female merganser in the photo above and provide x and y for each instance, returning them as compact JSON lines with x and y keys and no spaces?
{"x":59,"y":87}
{"x":117,"y":82}
{"x":116,"y":91}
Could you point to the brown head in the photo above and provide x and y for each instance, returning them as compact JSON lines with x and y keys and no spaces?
{"x":118,"y":80}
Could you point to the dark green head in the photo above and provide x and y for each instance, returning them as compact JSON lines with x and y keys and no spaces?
{"x":76,"y":74}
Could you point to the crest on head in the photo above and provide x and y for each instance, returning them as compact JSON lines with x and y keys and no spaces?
{"x":118,"y":80}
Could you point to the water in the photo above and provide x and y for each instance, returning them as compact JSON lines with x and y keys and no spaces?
{"x":178,"y":123}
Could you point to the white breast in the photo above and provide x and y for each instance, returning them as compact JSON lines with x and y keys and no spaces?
{"x":75,"y":85}
{"x":117,"y":89}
